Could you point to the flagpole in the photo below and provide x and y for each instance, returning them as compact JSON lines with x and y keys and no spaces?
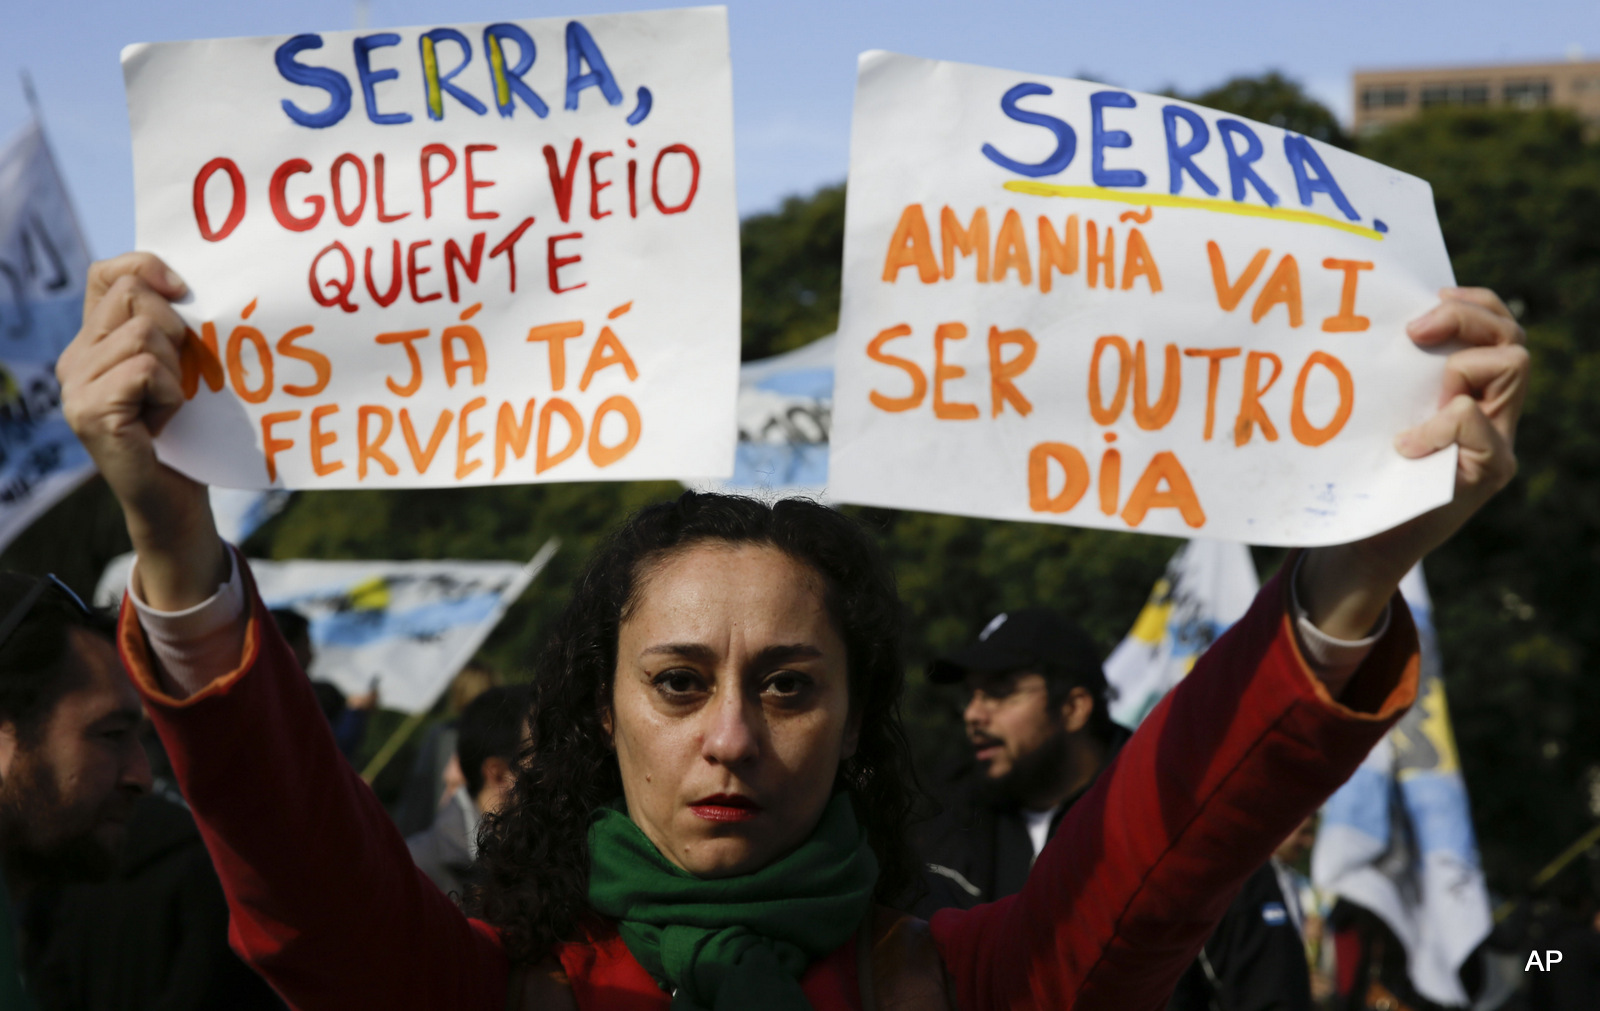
{"x":1554,"y":867}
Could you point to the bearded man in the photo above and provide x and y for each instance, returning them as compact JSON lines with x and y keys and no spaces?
{"x":71,"y":764}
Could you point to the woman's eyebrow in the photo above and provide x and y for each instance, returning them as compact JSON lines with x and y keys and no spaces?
{"x":701,"y":653}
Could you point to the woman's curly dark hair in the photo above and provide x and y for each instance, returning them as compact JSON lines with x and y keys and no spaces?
{"x":535,"y":853}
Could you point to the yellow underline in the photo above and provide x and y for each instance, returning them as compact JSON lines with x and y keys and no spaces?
{"x":1192,"y":203}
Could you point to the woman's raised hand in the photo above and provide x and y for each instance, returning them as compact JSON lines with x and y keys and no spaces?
{"x":1345,"y":588}
{"x":120,"y":384}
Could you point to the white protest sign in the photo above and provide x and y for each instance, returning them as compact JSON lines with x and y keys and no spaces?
{"x":457,"y":254}
{"x":1073,"y":303}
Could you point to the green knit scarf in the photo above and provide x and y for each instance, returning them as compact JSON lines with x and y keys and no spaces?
{"x":732,"y":944}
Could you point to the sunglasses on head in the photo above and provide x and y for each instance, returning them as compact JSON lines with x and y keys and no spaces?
{"x":19,"y":613}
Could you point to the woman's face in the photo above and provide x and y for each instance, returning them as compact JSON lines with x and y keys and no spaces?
{"x":731,"y":710}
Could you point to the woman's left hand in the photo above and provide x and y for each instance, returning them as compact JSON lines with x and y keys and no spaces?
{"x":1345,"y":588}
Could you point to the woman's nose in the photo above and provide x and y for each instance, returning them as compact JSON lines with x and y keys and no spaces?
{"x":733,"y":736}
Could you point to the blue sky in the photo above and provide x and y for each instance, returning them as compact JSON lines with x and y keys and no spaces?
{"x":794,"y":62}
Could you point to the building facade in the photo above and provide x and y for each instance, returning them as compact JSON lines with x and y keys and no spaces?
{"x":1388,"y":96}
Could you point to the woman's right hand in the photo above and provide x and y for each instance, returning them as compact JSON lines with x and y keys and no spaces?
{"x":120,"y":385}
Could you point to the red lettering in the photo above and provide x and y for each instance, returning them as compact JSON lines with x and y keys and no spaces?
{"x":473,"y":184}
{"x":556,"y":262}
{"x":561,"y":182}
{"x":413,"y":272}
{"x":235,"y":209}
{"x":655,"y":178}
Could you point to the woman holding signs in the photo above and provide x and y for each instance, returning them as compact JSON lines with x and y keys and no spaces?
{"x":714,"y":809}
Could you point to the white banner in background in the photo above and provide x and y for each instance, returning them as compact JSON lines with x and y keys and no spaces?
{"x":1073,"y":303}
{"x":408,"y":625}
{"x":43,"y":268}
{"x":449,"y":255}
{"x":1207,"y":587}
{"x":785,"y":412}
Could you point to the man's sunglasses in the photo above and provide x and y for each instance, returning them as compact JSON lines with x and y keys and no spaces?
{"x":19,"y":613}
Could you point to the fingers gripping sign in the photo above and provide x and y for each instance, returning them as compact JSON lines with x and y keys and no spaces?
{"x":120,"y":385}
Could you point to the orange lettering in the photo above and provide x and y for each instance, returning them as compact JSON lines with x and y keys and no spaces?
{"x":1153,"y":416}
{"x":1058,"y":254}
{"x":1213,"y":377}
{"x":317,"y":360}
{"x":1001,"y":373}
{"x":1102,"y":414}
{"x":477,"y":358}
{"x":372,"y":449}
{"x":1306,"y":433}
{"x":972,"y":240}
{"x":1074,"y":468}
{"x":1179,"y":493}
{"x":601,"y":454}
{"x":512,"y":433}
{"x":1250,"y":410}
{"x":1282,"y":287}
{"x":465,"y":440}
{"x":1347,"y":321}
{"x":544,"y":459}
{"x":406,"y":337}
{"x":919,"y":381}
{"x":320,"y":440}
{"x":1138,"y":262}
{"x":557,"y":334}
{"x":942,"y":373}
{"x":197,"y":358}
{"x":1096,"y":258}
{"x":1011,"y":250}
{"x":607,"y":350}
{"x":911,"y":246}
{"x":1110,"y":481}
{"x":236,"y":370}
{"x":423,"y":458}
{"x":273,"y":446}
{"x":1229,"y":295}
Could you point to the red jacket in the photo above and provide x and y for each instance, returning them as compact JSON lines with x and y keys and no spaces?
{"x":328,"y":906}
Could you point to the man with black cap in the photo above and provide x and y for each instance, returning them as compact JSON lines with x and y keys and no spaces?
{"x":1037,"y":722}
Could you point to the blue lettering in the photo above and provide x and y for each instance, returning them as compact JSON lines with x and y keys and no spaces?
{"x":507,"y":81}
{"x":1180,"y":157}
{"x":1066,"y":139}
{"x":1239,"y":170}
{"x":1101,"y":138}
{"x":581,"y":49}
{"x":435,"y":85}
{"x":1312,"y":176}
{"x":370,"y":79}
{"x":331,"y":81}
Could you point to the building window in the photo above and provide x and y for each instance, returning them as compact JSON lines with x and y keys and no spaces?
{"x":1527,"y":94}
{"x":1455,"y":93}
{"x":1384,"y":96}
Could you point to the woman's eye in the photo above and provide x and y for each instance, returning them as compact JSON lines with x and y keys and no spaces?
{"x":786,"y":685}
{"x":677,"y":682}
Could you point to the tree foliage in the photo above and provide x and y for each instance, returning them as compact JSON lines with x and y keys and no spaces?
{"x":1273,"y":98}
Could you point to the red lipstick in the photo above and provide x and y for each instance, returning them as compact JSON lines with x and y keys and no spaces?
{"x":725,"y":807}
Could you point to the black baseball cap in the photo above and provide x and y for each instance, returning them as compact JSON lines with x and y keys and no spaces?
{"x":1031,"y":638}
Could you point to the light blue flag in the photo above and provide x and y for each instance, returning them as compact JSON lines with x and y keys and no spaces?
{"x":44,"y":264}
{"x":1397,"y":838}
{"x":785,"y":412}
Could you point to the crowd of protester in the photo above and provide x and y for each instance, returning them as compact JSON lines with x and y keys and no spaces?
{"x":723,"y":663}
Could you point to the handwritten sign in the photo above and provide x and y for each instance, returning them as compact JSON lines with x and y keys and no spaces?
{"x":1071,"y":303}
{"x":457,"y":254}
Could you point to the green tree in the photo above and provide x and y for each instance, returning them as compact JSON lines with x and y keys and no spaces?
{"x":791,"y":260}
{"x":1518,"y":196}
{"x":1276,"y":99}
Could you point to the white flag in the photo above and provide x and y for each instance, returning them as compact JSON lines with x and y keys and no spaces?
{"x":409,"y":625}
{"x":43,"y":267}
{"x":1397,"y":838}
{"x":1207,"y":587}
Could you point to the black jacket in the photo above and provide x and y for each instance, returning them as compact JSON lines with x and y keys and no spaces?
{"x":976,"y":849}
{"x":154,"y":936}
{"x":1256,"y":957}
